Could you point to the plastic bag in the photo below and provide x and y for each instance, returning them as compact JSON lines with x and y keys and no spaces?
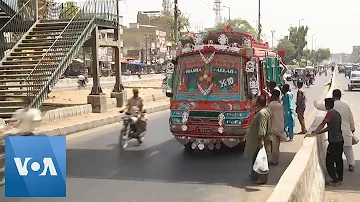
{"x":355,"y":139}
{"x":261,"y":163}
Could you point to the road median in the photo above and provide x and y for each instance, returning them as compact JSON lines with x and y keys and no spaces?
{"x":304,"y":178}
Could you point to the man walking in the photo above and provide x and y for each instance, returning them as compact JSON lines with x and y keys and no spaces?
{"x":258,"y":137}
{"x":347,"y":125}
{"x":277,"y":126}
{"x":334,"y":161}
{"x":287,"y":101}
{"x":300,"y":106}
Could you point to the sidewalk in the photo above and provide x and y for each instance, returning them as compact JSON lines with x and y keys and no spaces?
{"x":77,"y":97}
{"x":350,"y":190}
{"x":89,"y":121}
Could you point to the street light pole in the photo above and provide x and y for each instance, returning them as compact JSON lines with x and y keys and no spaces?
{"x":228,"y":12}
{"x":300,"y":22}
{"x":299,"y":47}
{"x":259,"y":23}
{"x":272,"y":38}
{"x":176,"y":31}
{"x":312,"y":42}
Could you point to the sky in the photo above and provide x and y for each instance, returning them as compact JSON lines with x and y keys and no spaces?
{"x":333,"y":24}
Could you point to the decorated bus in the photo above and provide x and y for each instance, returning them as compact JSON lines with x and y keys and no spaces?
{"x":213,"y":83}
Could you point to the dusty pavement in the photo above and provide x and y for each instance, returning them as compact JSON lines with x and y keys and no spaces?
{"x":350,"y":190}
{"x":75,"y":97}
{"x":160,"y":170}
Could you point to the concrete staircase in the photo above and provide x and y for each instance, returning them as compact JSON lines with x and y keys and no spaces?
{"x":37,"y":61}
{"x":4,"y":15}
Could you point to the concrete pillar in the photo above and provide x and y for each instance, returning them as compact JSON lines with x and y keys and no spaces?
{"x":36,"y":6}
{"x":118,"y":91}
{"x":96,"y":98}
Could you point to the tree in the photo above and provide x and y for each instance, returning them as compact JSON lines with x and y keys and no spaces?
{"x":69,"y":10}
{"x":183,"y":21}
{"x":297,"y":36}
{"x":239,"y":25}
{"x":322,"y":54}
{"x":289,"y":48}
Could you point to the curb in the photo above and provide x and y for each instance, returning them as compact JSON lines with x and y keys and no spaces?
{"x":63,"y":131}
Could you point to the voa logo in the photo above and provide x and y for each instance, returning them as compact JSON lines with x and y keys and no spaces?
{"x":47,"y":165}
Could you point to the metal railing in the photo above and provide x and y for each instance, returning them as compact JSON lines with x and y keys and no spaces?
{"x":80,"y":23}
{"x":13,"y":30}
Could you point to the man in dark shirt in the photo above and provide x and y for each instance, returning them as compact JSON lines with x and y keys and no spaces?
{"x":334,"y":161}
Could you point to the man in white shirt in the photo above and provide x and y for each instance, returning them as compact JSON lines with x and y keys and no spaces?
{"x":27,"y":120}
{"x":347,"y":125}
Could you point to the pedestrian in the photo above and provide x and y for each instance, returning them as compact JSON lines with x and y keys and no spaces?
{"x":301,"y":106}
{"x":257,"y":137}
{"x":288,"y":106}
{"x":272,"y":86}
{"x":277,"y":126}
{"x":334,"y":161}
{"x":347,"y":126}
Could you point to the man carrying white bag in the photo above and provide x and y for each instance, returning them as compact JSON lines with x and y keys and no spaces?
{"x":258,"y":142}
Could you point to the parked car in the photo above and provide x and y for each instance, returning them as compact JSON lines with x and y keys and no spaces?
{"x":354,"y":81}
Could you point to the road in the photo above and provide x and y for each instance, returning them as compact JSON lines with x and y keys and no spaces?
{"x":160,"y":171}
{"x":350,"y":190}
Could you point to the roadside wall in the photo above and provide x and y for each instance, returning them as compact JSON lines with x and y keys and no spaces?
{"x":304,"y":178}
{"x":66,"y":83}
{"x":66,"y":112}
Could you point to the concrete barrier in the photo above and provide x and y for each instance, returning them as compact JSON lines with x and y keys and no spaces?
{"x":2,"y":160}
{"x":66,"y":83}
{"x":304,"y":178}
{"x":66,"y":112}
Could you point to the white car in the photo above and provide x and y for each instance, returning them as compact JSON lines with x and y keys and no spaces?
{"x":354,"y":80}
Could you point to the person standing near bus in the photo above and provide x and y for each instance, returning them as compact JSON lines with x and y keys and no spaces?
{"x":288,"y":106}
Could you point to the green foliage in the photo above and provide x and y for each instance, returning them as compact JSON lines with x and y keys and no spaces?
{"x":69,"y":10}
{"x":238,"y":24}
{"x":297,"y":36}
{"x":289,"y":48}
{"x":322,"y":54}
{"x":183,"y":21}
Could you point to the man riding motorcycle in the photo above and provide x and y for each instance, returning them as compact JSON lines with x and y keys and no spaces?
{"x":309,"y":77}
{"x":82,"y":80}
{"x":296,"y":78}
{"x":135,"y":107}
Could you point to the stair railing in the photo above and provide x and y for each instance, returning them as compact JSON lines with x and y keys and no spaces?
{"x":13,"y":30}
{"x":60,"y":54}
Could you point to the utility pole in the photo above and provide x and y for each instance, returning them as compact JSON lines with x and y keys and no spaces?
{"x":146,"y":47}
{"x":228,"y":12}
{"x":272,"y":38}
{"x":176,"y":30}
{"x":259,"y":23}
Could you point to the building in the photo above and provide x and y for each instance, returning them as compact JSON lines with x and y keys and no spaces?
{"x":145,"y":42}
{"x":355,"y":55}
{"x":341,"y":57}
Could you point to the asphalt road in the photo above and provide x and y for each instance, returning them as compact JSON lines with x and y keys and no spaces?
{"x":160,"y":170}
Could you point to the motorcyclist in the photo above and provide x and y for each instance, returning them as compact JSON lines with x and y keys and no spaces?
{"x":309,"y":77}
{"x":81,"y":80}
{"x":296,"y":77}
{"x":135,"y":107}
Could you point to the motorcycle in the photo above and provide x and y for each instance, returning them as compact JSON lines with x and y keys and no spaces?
{"x":295,"y":80}
{"x":307,"y":82}
{"x":130,"y":130}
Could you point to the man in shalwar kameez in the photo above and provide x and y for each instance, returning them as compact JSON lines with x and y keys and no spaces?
{"x":288,"y":106}
{"x":258,"y":136}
